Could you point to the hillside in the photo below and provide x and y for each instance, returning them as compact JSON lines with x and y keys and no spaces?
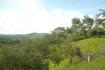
{"x":93,"y":45}
{"x":15,"y":38}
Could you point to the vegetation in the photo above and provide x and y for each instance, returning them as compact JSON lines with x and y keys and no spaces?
{"x":63,"y":49}
{"x":97,"y":63}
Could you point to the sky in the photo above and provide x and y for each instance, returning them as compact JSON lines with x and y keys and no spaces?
{"x":42,"y":16}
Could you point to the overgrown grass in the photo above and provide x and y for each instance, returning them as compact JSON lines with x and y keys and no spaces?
{"x":93,"y":44}
{"x":96,"y":64}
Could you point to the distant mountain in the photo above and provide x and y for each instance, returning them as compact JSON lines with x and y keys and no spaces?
{"x":36,"y":34}
{"x":9,"y":39}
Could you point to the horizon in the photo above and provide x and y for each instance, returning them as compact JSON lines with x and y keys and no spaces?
{"x":43,"y":16}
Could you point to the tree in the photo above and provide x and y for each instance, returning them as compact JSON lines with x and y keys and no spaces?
{"x":99,"y":28}
{"x":75,"y":28}
{"x":87,"y":25}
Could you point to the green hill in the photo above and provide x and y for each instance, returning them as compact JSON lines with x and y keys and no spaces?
{"x":93,"y":45}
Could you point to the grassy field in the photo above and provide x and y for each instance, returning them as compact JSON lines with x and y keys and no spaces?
{"x":93,"y":45}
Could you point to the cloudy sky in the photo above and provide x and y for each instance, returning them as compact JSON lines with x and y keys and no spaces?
{"x":27,"y":16}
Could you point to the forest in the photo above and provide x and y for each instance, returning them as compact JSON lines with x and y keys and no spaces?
{"x":65,"y":48}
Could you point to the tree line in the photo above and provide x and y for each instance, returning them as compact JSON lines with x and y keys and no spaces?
{"x":84,"y":28}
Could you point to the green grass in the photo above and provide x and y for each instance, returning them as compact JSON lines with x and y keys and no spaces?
{"x":96,"y":64}
{"x":93,"y":44}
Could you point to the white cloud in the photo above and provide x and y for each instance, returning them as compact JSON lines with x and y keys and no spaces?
{"x":34,"y":18}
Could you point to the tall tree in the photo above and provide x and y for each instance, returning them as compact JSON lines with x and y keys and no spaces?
{"x":87,"y":25}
